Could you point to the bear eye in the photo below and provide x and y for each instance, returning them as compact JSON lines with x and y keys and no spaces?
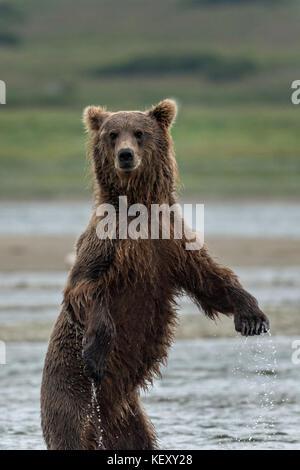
{"x":138,"y":134}
{"x":113,"y":136}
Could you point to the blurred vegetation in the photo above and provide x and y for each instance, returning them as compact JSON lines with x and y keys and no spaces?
{"x":10,"y":17}
{"x":225,"y":151}
{"x":229,"y":2}
{"x":210,"y":66}
{"x":230,"y":68}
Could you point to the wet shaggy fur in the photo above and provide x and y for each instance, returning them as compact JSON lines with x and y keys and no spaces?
{"x":118,"y":315}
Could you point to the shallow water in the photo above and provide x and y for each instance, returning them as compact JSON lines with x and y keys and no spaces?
{"x":241,"y":219}
{"x":227,"y":393}
{"x":215,"y":393}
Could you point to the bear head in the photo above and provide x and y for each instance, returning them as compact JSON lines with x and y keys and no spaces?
{"x":133,"y":148}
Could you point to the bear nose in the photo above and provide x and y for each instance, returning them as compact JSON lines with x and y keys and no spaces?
{"x":125,"y":155}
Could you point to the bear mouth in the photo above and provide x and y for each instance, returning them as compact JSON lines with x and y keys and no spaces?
{"x":127,"y":167}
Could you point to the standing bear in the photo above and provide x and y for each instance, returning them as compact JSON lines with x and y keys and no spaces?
{"x":118,"y":315}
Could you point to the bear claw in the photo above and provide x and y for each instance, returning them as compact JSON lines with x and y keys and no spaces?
{"x":92,"y":371}
{"x":251,"y":327}
{"x":93,"y":360}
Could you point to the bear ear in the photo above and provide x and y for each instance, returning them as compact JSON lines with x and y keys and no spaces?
{"x":164,"y":112}
{"x":93,"y":117}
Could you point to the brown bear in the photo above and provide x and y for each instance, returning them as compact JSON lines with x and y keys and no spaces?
{"x":118,"y":315}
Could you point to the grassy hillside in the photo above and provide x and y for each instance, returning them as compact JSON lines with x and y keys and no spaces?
{"x":229,"y":63}
{"x":223,"y":151}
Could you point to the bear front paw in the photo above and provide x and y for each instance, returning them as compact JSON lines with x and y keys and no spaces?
{"x":247,"y":325}
{"x":94,"y":362}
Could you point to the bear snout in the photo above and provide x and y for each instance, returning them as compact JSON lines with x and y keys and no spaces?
{"x":126,"y":159}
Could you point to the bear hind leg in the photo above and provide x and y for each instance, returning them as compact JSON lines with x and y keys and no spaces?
{"x":134,"y":432}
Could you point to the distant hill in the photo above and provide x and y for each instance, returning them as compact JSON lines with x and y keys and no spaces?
{"x":72,"y":52}
{"x":230,"y":65}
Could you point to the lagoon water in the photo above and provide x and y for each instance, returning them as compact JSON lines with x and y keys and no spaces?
{"x":230,"y":393}
{"x":215,"y":394}
{"x":250,"y":219}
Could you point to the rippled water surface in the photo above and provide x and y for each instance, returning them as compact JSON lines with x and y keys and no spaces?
{"x":215,"y":393}
{"x":250,"y":219}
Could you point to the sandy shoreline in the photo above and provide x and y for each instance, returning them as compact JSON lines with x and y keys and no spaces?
{"x":190,"y":326}
{"x":48,"y":253}
{"x":34,"y":253}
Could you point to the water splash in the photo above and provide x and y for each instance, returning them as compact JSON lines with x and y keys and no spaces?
{"x":256,"y":370}
{"x":93,"y":412}
{"x":95,"y":407}
{"x":265,"y":363}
